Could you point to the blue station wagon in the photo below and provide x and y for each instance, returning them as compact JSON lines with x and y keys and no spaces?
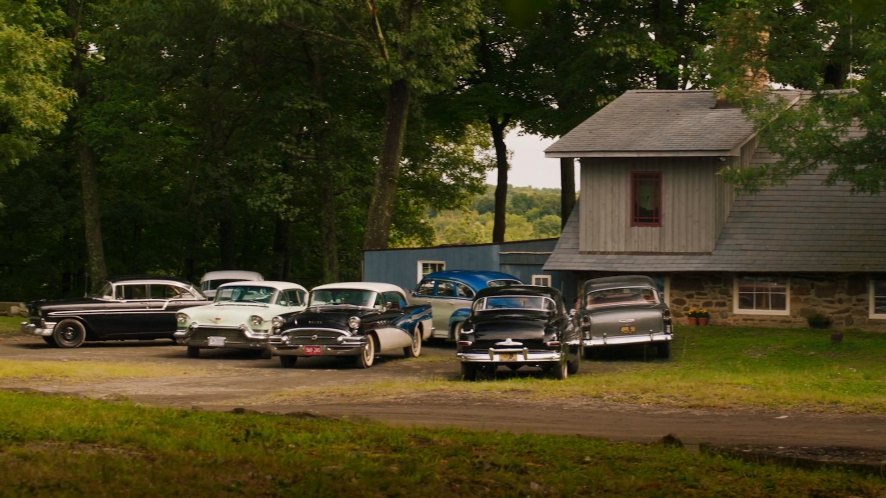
{"x":450,"y":293}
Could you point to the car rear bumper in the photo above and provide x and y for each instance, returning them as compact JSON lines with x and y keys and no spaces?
{"x":626,"y":339}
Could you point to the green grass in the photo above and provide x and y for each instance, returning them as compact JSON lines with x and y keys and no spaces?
{"x":710,"y":367}
{"x":60,"y":446}
{"x":10,"y":324}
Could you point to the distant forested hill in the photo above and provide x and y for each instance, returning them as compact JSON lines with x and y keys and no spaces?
{"x":532,"y":213}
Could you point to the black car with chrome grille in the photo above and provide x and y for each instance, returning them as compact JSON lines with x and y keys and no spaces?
{"x":359,"y":320}
{"x":519,"y":326}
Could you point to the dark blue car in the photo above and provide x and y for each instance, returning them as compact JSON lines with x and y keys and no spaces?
{"x":450,"y":293}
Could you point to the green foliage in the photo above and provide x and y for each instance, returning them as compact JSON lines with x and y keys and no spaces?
{"x":811,"y":46}
{"x":33,"y":100}
{"x":531,"y":214}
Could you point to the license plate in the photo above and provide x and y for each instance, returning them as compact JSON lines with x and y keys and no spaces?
{"x":627,"y":329}
{"x":216,"y":341}
{"x":313,"y":350}
{"x":508,"y":356}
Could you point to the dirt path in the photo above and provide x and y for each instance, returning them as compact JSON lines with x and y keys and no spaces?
{"x":226,"y":381}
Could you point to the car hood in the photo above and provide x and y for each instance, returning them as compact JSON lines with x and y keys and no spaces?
{"x":234,"y":314}
{"x":65,"y":304}
{"x":335,"y":317}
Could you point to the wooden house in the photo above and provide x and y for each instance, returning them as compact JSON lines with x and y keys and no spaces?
{"x":652,"y":203}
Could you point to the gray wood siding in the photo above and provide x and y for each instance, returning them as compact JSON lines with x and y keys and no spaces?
{"x":692,"y":214}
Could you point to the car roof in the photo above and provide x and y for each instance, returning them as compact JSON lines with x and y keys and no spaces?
{"x":619,"y":281}
{"x":276,"y":284}
{"x":149,"y":280}
{"x":474,"y":278}
{"x":371,"y":286}
{"x":228,"y":274}
{"x":520,"y":290}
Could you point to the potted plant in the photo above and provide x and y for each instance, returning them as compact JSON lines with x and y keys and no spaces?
{"x":819,"y":321}
{"x":698,"y":316}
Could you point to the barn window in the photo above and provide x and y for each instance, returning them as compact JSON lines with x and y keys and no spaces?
{"x":646,"y":198}
{"x":425,"y":267}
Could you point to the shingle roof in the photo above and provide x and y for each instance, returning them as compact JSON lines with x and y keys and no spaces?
{"x":802,"y":226}
{"x":659,"y":122}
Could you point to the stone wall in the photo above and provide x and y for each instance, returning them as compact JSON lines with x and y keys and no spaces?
{"x":843,"y":298}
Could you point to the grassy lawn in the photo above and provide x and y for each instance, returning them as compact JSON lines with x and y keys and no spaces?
{"x":58,"y":446}
{"x":710,"y":367}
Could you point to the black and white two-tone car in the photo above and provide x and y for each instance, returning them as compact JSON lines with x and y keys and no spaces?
{"x":125,"y":308}
{"x":352,"y":319}
{"x":519,"y":326}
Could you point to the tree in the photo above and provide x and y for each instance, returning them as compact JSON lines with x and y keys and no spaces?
{"x":810,"y":46}
{"x":33,"y":98}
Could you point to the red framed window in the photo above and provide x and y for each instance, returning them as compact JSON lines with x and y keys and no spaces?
{"x":646,"y":198}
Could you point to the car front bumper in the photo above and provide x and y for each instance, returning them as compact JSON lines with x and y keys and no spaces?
{"x":34,"y":329}
{"x":298,"y":346}
{"x":221,"y":337}
{"x":510,"y":355}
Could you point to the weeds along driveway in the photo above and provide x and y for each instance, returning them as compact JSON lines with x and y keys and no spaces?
{"x":159,"y":373}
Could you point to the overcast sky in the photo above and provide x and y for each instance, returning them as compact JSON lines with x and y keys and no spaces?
{"x":529,"y":166}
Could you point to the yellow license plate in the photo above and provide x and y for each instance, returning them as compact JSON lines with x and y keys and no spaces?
{"x":508,"y":356}
{"x":627,"y":329}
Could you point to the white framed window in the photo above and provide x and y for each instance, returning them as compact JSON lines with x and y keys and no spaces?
{"x":541,"y":280}
{"x":877,"y":299}
{"x":761,"y":295}
{"x":426,"y":266}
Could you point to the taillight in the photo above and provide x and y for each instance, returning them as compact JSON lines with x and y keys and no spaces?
{"x":553,"y":344}
{"x":465,"y":344}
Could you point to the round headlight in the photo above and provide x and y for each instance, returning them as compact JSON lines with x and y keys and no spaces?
{"x":256,"y":320}
{"x":182,"y":319}
{"x":354,"y":322}
{"x":277,"y":322}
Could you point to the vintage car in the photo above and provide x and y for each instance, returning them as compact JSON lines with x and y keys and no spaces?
{"x":354,"y":319}
{"x":519,"y":326}
{"x":450,"y":293}
{"x":125,"y":308}
{"x":239,"y":317}
{"x":624,"y":310}
{"x":211,"y":280}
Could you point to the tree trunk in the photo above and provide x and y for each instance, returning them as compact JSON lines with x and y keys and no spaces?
{"x":95,"y":252}
{"x":501,"y":186}
{"x":666,"y":22}
{"x":282,"y":261}
{"x":381,"y":206}
{"x":567,"y":188}
{"x":329,"y":235}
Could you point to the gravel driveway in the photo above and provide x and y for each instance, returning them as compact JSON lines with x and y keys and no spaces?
{"x":223,"y":380}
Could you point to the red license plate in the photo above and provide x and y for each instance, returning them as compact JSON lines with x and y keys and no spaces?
{"x":311,"y":350}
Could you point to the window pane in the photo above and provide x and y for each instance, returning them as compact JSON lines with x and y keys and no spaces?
{"x":880,"y":297}
{"x":762,"y":293}
{"x":646,"y":198}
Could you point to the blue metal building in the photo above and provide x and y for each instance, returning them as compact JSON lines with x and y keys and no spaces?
{"x":523,"y":259}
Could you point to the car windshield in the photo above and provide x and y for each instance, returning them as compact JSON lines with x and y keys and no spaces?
{"x":534,"y":303}
{"x":244,"y":294}
{"x":354,"y":297}
{"x":620,"y":296}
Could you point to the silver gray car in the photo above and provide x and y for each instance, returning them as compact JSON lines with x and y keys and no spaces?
{"x":624,"y":310}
